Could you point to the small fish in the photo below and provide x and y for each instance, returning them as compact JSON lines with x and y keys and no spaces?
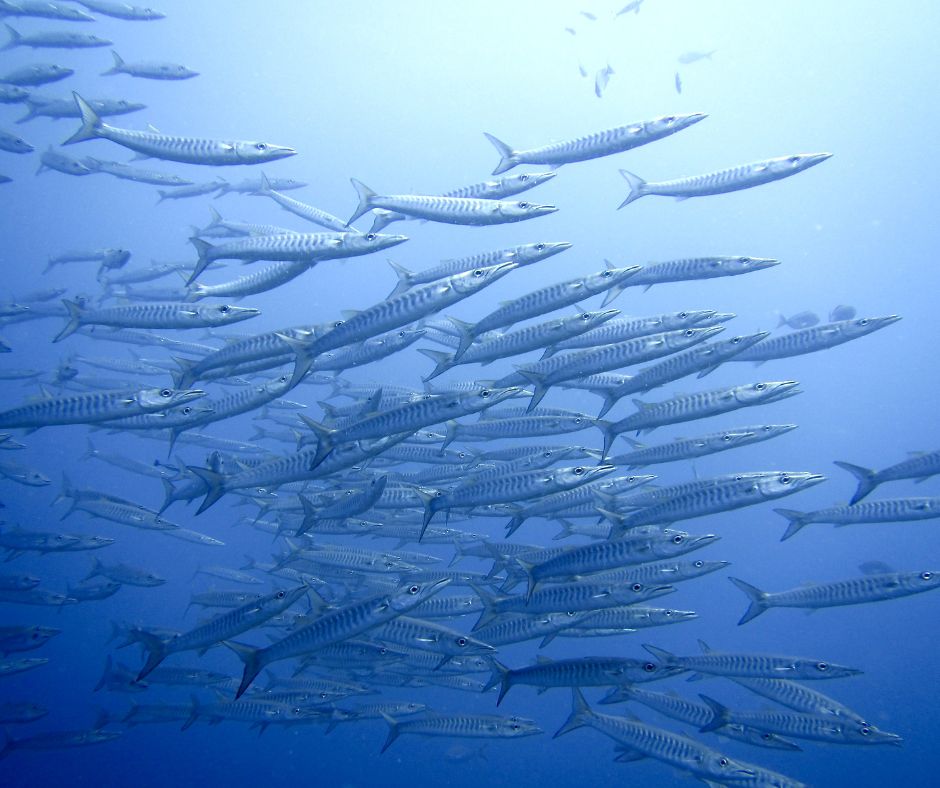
{"x":633,"y":5}
{"x":13,"y":143}
{"x":118,"y":10}
{"x":678,"y":82}
{"x":800,"y":320}
{"x":36,"y":74}
{"x":842,"y":312}
{"x":920,"y":466}
{"x":601,"y":79}
{"x":53,"y":39}
{"x":693,"y":57}
{"x":149,"y":70}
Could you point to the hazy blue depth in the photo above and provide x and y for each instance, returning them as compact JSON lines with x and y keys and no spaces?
{"x":398,"y":95}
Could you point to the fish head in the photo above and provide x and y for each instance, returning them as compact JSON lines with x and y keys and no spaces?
{"x":224,"y":314}
{"x":668,"y":615}
{"x":611,"y":279}
{"x":671,"y":542}
{"x":585,"y":321}
{"x":767,"y":431}
{"x":470,"y":281}
{"x":670,"y":124}
{"x":742,"y":342}
{"x":459,"y":643}
{"x":918,"y":581}
{"x":786,"y":482}
{"x":414,"y":593}
{"x":517,"y":726}
{"x":691,"y":336}
{"x":765,"y":391}
{"x":651,"y":670}
{"x":720,"y":767}
{"x":365,"y":243}
{"x":162,"y":399}
{"x":729,"y":439}
{"x":119,"y":107}
{"x":816,"y":669}
{"x":90,"y":542}
{"x":866,"y":325}
{"x":676,"y":321}
{"x":526,"y":180}
{"x":636,"y":591}
{"x":580,"y":474}
{"x":532,"y":253}
{"x":515,"y":210}
{"x":787,"y":165}
{"x":258,"y":152}
{"x":486,"y":397}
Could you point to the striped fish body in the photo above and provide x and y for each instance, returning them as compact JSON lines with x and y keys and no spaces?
{"x":810,"y":340}
{"x":668,"y":571}
{"x":744,"y":176}
{"x":856,"y":591}
{"x":522,"y":628}
{"x":798,"y":697}
{"x":740,"y":665}
{"x":190,"y":150}
{"x":587,"y":672}
{"x":601,"y":556}
{"x":523,"y":255}
{"x":408,"y":307}
{"x":372,"y":349}
{"x":633,"y":617}
{"x":518,"y":427}
{"x":620,"y":330}
{"x":593,"y":146}
{"x":284,"y":247}
{"x":690,"y":448}
{"x":688,"y":407}
{"x":548,"y":299}
{"x":886,"y":510}
{"x":427,"y":636}
{"x":303,"y":210}
{"x":695,"y":268}
{"x":94,"y":407}
{"x":464,"y":726}
{"x":251,"y":284}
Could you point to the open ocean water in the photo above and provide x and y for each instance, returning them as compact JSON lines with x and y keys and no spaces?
{"x":398,"y":95}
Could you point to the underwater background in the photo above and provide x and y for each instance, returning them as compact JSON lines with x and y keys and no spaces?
{"x":398,"y":95}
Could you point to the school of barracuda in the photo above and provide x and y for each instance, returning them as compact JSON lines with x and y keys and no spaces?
{"x":339,"y":620}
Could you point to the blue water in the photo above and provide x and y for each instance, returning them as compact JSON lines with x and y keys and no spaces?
{"x":398,"y":95}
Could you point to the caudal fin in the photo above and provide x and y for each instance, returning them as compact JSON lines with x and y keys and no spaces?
{"x":795,"y":519}
{"x":215,"y":486}
{"x":203,"y":249}
{"x":156,"y":652}
{"x":500,"y":675}
{"x":251,"y":658}
{"x":757,"y":598}
{"x":866,"y":477}
{"x":392,"y":732}
{"x":508,"y":158}
{"x":15,"y":39}
{"x":636,"y":184}
{"x":75,"y":320}
{"x":365,"y":199}
{"x":91,"y":123}
{"x":118,"y":66}
{"x":720,"y":715}
{"x":404,"y":278}
{"x":580,"y":714}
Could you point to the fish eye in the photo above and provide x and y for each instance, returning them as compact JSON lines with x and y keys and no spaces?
{"x":784,"y":479}
{"x":699,"y":564}
{"x":166,"y":393}
{"x":485,"y":393}
{"x":667,"y":613}
{"x":822,"y":666}
{"x":863,"y":321}
{"x":261,"y":146}
{"x":478,"y":272}
{"x":523,"y":178}
{"x":793,"y":159}
{"x":523,"y":205}
{"x":723,"y":761}
{"x":735,"y":340}
{"x":224,"y":309}
{"x":279,"y":595}
{"x":726,"y":438}
{"x":414,"y":589}
{"x":864,"y":731}
{"x":578,"y":471}
{"x":586,"y":316}
{"x":187,"y":410}
{"x":760,"y":387}
{"x":461,"y":641}
{"x":637,"y":587}
{"x":649,"y":667}
{"x":402,"y":333}
{"x":539,"y":247}
{"x":607,"y":273}
{"x":578,"y":420}
{"x":371,"y":236}
{"x":926,"y":575}
{"x":678,"y":539}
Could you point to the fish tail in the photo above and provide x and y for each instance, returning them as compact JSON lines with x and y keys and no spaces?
{"x":537,"y":379}
{"x":183,"y":378}
{"x":757,"y":598}
{"x":14,"y":41}
{"x":265,"y":186}
{"x":720,"y":715}
{"x":104,"y":676}
{"x":427,"y":497}
{"x":303,"y":359}
{"x":203,"y":248}
{"x":215,"y":484}
{"x":442,"y":360}
{"x":866,"y":478}
{"x":392,"y":732}
{"x":163,"y":195}
{"x":580,"y":713}
{"x":90,"y":451}
{"x":611,"y":397}
{"x":118,"y":66}
{"x":365,"y":198}
{"x":194,"y":711}
{"x":252,"y":659}
{"x":169,"y":495}
{"x":404,"y":277}
{"x":500,"y":675}
{"x":383,"y":220}
{"x":310,"y":515}
{"x":156,"y":649}
{"x":324,"y":440}
{"x":637,"y":186}
{"x":489,"y":600}
{"x":91,"y":123}
{"x":795,"y":519}
{"x":75,"y":320}
{"x":467,"y":335}
{"x":665,"y":657}
{"x":515,"y":523}
{"x":508,"y":158}
{"x":531,"y":580}
{"x":607,"y":428}
{"x":565,"y":532}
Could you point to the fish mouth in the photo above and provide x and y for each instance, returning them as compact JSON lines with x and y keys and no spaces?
{"x":541,"y":177}
{"x":543,"y":210}
{"x":816,"y":158}
{"x":705,"y":539}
